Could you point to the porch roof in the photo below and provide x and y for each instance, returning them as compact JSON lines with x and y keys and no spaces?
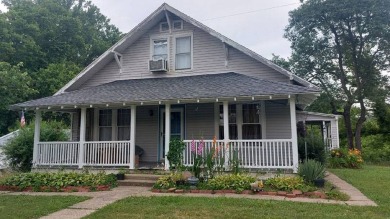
{"x":223,"y":85}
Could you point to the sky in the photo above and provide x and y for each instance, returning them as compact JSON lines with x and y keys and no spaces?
{"x":256,"y":24}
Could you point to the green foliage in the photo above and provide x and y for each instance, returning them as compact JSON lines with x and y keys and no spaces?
{"x":376,"y":148}
{"x":344,"y":158}
{"x":236,"y":182}
{"x":235,"y":162}
{"x":19,"y":150}
{"x":342,"y":47}
{"x":175,"y":153}
{"x":285,"y":183}
{"x":58,"y":180}
{"x":210,"y":162}
{"x":314,"y":146}
{"x":15,"y":86}
{"x":311,"y":170}
{"x":168,"y":181}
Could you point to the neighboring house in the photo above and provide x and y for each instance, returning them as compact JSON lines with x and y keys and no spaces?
{"x":173,"y":68}
{"x":3,"y":140}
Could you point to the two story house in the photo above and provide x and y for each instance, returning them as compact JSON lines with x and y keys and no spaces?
{"x":173,"y":77}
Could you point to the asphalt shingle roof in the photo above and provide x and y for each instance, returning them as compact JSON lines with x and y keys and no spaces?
{"x":172,"y":88}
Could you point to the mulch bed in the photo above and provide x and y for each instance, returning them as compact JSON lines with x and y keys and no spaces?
{"x":53,"y":189}
{"x":292,"y":194}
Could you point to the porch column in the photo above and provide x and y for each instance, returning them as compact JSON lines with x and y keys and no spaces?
{"x":226,"y":131}
{"x":132,"y":135}
{"x":294,"y":136}
{"x":37,"y":132}
{"x":83,"y":122}
{"x":167,"y":133}
{"x":324,"y":134}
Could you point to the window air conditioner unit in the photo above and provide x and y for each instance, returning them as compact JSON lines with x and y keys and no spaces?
{"x":160,"y":65}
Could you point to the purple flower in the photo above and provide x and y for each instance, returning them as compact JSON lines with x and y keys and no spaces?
{"x":200,"y":147}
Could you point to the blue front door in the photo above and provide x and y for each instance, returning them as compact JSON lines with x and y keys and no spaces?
{"x":177,"y":127}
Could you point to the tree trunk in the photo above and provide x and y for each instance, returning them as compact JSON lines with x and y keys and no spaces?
{"x":348,"y":124}
{"x":359,"y":126}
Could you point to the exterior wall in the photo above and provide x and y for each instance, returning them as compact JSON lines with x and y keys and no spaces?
{"x":147,"y":132}
{"x":199,"y":121}
{"x":75,"y":126}
{"x":278,"y":120}
{"x":208,"y":57}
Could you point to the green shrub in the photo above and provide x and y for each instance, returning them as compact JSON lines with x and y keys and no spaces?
{"x":315,"y":148}
{"x":19,"y":151}
{"x":236,"y":182}
{"x":58,"y":180}
{"x":168,"y":181}
{"x":285,"y":183}
{"x":343,"y":158}
{"x":311,"y":170}
{"x":376,"y":148}
{"x":175,"y":154}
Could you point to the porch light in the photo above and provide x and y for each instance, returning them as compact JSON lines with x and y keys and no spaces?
{"x":289,"y":96}
{"x":178,"y":101}
{"x":159,"y":102}
{"x":37,"y":108}
{"x":197,"y":100}
{"x":142,"y":103}
{"x":48,"y":107}
{"x":124,"y":104}
{"x":90,"y":106}
{"x":62,"y":107}
{"x":75,"y":106}
{"x":270,"y":97}
{"x":216,"y":100}
{"x":253,"y":98}
{"x":235,"y":99}
{"x":107,"y":105}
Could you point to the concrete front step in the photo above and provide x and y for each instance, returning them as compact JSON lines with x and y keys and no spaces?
{"x":136,"y":182}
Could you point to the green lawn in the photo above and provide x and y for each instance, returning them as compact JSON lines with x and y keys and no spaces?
{"x":372,"y":180}
{"x":27,"y":206}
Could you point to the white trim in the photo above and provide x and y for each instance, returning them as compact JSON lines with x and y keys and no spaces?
{"x":162,"y":114}
{"x":167,"y":133}
{"x":239,"y":120}
{"x":181,"y":35}
{"x":216,"y":120}
{"x":83,"y":123}
{"x":181,"y":25}
{"x":159,"y":37}
{"x":226,"y":130}
{"x":133,"y":119}
{"x":294,"y":136}
{"x":37,"y":131}
{"x":161,"y":24}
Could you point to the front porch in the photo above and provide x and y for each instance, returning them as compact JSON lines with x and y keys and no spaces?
{"x":101,"y":139}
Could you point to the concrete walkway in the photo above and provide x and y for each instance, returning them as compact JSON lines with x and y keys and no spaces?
{"x":101,"y":199}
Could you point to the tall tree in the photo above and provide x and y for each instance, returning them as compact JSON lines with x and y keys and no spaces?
{"x":343,"y":46}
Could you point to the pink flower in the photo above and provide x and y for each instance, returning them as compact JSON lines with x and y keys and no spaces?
{"x":200,"y":147}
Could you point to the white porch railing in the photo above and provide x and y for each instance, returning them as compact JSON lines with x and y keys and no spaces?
{"x":267,"y":153}
{"x":58,"y":153}
{"x":107,"y":153}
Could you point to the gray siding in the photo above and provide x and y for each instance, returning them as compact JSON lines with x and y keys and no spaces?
{"x":209,"y":57}
{"x":76,"y":126}
{"x":278,"y":121}
{"x":200,"y":121}
{"x":147,"y":132}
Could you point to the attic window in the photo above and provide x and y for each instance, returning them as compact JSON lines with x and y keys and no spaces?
{"x":177,"y":25}
{"x":164,"y":26}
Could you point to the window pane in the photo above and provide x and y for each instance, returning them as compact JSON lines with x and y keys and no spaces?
{"x":232,"y":114}
{"x":250,"y":113}
{"x":105,"y":117}
{"x":160,"y":49}
{"x":251,"y":131}
{"x":233,"y":134}
{"x":123,"y":133}
{"x":123,"y":117}
{"x":183,"y":61}
{"x":183,"y":45}
{"x":105,"y":134}
{"x":183,"y":53}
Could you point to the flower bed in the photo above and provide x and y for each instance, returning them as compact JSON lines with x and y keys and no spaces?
{"x":58,"y":182}
{"x":289,"y":187}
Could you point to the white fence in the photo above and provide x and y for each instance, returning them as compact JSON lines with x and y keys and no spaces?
{"x":58,"y":153}
{"x":100,"y":153}
{"x":107,"y":153}
{"x":273,"y":154}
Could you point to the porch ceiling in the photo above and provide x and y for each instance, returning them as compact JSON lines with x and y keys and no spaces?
{"x":137,"y":91}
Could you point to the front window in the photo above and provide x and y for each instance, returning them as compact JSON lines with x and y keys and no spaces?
{"x":232,"y":122}
{"x":160,"y":49}
{"x":251,"y":128}
{"x":105,"y":125}
{"x":183,"y":53}
{"x":123,"y":122}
